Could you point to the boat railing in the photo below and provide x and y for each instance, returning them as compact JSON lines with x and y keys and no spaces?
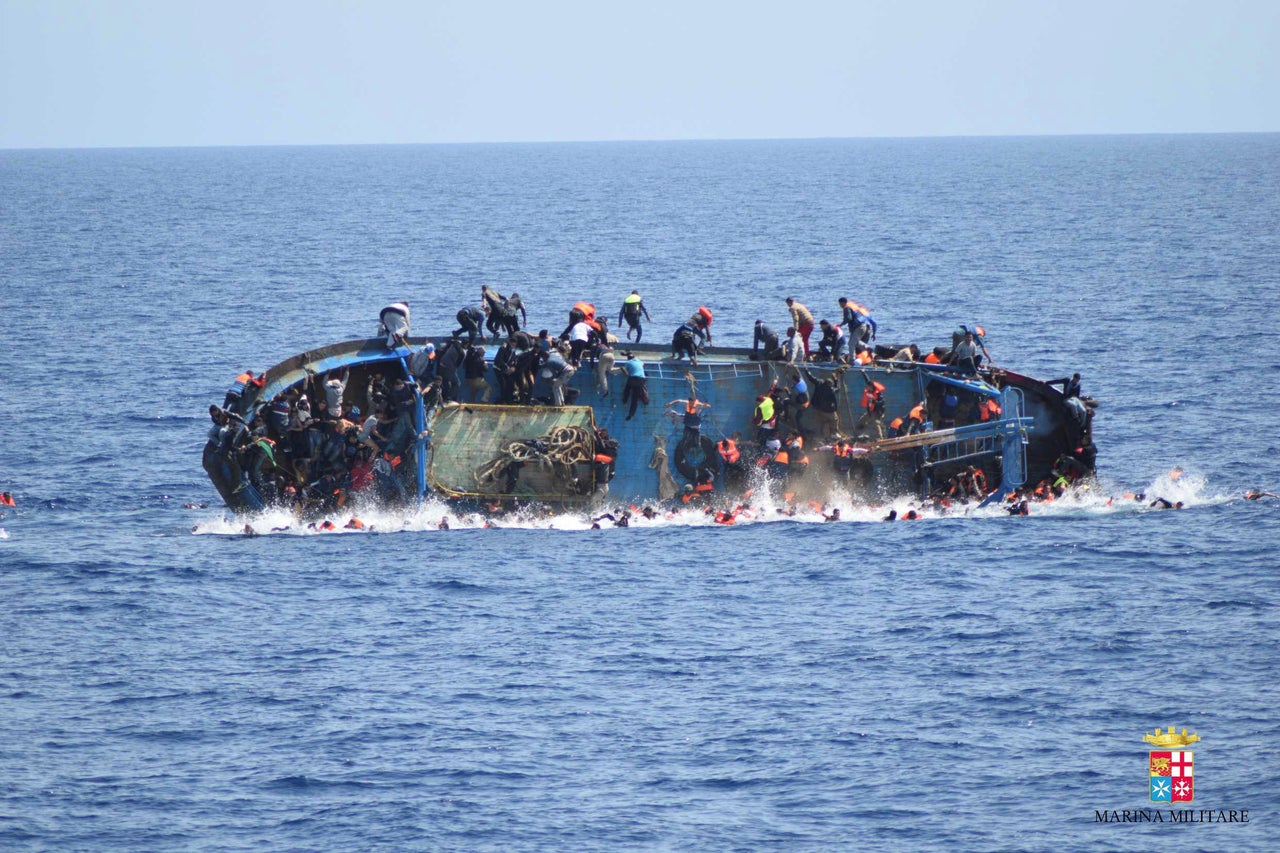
{"x":707,"y":371}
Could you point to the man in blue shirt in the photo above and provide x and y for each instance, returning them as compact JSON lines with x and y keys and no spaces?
{"x":637,"y":387}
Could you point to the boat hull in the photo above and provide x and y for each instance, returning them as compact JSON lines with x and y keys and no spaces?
{"x":654,"y":448}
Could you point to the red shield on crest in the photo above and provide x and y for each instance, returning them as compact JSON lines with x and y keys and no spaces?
{"x":1172,"y":774}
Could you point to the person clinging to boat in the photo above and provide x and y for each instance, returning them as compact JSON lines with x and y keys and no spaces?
{"x":690,"y":334}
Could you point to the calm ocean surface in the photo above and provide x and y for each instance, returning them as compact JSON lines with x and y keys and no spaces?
{"x":963,"y":683}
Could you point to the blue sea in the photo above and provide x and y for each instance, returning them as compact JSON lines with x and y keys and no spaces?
{"x":964,"y":682}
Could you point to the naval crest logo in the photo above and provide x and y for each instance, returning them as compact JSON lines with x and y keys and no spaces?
{"x":1171,"y":769}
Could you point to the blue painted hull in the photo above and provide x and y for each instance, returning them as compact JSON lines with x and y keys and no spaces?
{"x":729,"y":381}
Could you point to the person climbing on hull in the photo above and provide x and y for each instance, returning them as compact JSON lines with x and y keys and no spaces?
{"x":393,"y":322}
{"x":691,"y":334}
{"x":632,"y":311}
{"x":469,"y":321}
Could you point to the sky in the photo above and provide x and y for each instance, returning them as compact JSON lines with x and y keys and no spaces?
{"x":122,"y":73}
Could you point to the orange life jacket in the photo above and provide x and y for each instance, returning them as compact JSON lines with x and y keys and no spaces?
{"x":796,"y":454}
{"x":871,"y":394}
{"x":980,"y":482}
{"x":896,"y":423}
{"x":917,"y":414}
{"x":7,"y":500}
{"x":706,"y":313}
{"x":588,"y":314}
{"x":864,"y":357}
{"x":989,"y":409}
{"x":604,"y":458}
{"x":729,"y":450}
{"x":782,"y":457}
{"x":698,"y":491}
{"x":354,"y":524}
{"x":932,"y":358}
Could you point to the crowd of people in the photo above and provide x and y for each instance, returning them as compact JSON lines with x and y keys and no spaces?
{"x":313,"y":446}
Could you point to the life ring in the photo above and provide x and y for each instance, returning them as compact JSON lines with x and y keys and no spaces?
{"x":693,"y":458}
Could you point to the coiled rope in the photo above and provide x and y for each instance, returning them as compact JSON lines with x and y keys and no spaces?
{"x":555,"y":452}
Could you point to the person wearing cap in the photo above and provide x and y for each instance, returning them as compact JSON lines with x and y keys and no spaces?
{"x":422,"y":364}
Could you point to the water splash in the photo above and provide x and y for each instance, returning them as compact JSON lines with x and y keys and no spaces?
{"x":1092,"y":499}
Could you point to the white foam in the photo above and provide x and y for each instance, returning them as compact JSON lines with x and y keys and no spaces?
{"x":1091,"y":499}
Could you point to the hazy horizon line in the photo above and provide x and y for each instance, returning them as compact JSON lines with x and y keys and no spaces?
{"x":655,"y":140}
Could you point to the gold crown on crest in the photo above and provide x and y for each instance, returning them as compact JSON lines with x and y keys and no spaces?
{"x":1171,"y":738}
